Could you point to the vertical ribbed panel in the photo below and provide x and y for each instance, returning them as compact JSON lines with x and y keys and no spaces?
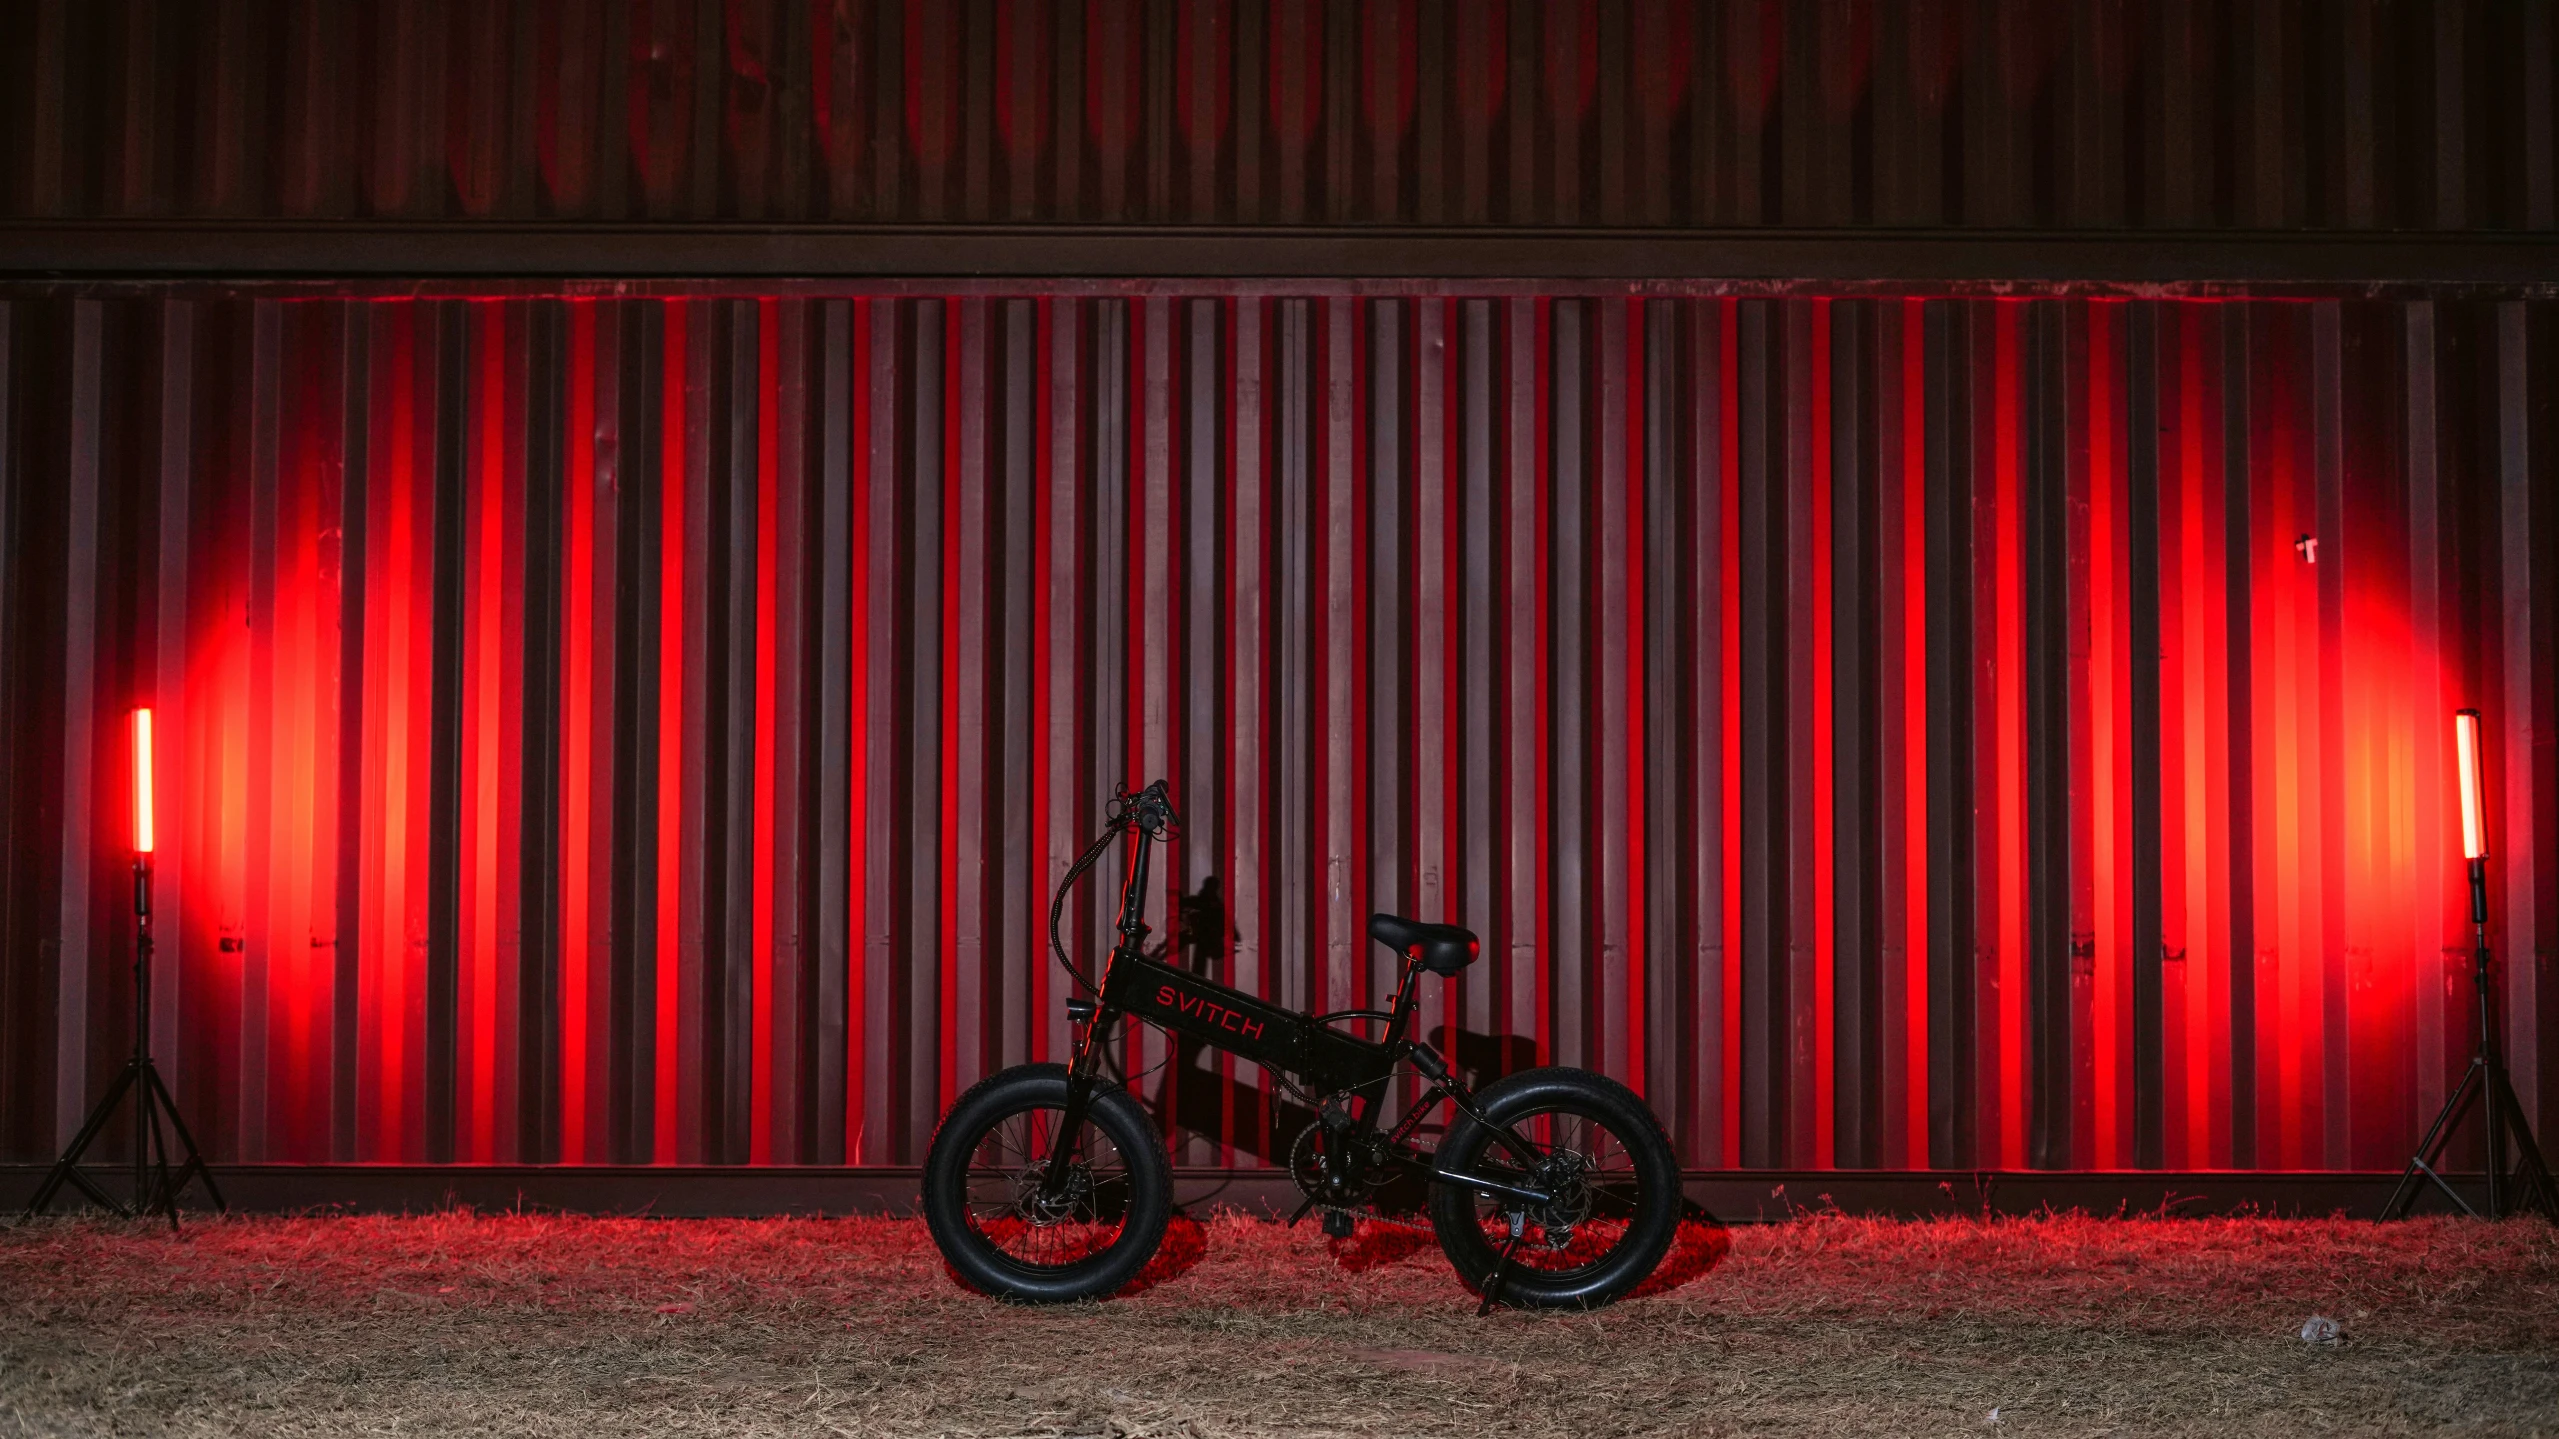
{"x":2350,"y":115}
{"x":1886,"y":731}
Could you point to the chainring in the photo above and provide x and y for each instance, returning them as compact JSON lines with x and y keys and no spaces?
{"x":1305,"y":1170}
{"x":1306,"y":1167}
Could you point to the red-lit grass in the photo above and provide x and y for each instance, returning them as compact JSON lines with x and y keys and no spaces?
{"x":457,"y":1323}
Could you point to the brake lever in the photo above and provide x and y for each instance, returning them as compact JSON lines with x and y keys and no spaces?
{"x":1156,"y":800}
{"x":1150,"y":810}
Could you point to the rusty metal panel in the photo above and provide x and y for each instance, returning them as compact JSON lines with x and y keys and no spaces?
{"x":644,"y":726}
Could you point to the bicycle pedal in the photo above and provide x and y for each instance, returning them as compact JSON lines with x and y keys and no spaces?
{"x":1338,"y":1223}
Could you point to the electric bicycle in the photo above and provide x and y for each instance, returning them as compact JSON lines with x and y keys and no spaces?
{"x":1047,"y":1183}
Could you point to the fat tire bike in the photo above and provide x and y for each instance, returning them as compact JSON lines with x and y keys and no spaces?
{"x":1553,"y":1188}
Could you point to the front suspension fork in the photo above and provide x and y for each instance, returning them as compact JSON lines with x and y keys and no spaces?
{"x":1101,"y":1020}
{"x":1082,"y":1083}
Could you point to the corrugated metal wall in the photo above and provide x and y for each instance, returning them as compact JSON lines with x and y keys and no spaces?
{"x":2176,"y":114}
{"x":629,"y":725}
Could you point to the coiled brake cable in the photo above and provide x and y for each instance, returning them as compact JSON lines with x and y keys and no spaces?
{"x":1066,"y":886}
{"x":1124,"y":814}
{"x":1121,"y":818}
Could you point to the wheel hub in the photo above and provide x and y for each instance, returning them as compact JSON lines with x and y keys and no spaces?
{"x":1042,"y":1208}
{"x":1565,"y":1175}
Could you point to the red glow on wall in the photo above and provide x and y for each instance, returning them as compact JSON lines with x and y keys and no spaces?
{"x":1150,"y":534}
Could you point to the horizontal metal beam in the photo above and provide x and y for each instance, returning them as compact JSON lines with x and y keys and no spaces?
{"x":1733,"y":1195}
{"x":2135,"y":262}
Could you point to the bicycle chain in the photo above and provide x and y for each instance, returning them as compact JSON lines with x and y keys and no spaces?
{"x":1357,"y":1212}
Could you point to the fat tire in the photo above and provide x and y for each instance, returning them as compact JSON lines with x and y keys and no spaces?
{"x":1648,"y":1236}
{"x":989,"y":1270}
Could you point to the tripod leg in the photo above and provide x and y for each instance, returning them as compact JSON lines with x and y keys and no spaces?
{"x":63,"y":1168}
{"x":195,"y":1164}
{"x":2533,"y":1186}
{"x":142,"y":1129}
{"x":164,"y":1193}
{"x":146,"y":1197}
{"x":2533,"y":1174}
{"x":2430,"y":1153}
{"x":97,"y":1196}
{"x":2494,"y":1097}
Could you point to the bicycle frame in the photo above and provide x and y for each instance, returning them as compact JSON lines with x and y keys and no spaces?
{"x":1326,"y":1060}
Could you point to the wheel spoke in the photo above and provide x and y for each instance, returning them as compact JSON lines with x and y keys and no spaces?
{"x":1589,"y":1169}
{"x":1012,"y":1210}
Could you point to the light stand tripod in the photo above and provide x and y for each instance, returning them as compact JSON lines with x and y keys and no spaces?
{"x":155,"y":1187}
{"x":2528,"y":1186}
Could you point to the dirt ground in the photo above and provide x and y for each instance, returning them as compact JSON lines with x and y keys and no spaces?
{"x":545,"y":1325}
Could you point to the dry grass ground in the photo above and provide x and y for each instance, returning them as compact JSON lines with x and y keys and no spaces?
{"x":457,"y":1323}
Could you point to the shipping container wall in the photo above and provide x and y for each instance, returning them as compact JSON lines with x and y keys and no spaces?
{"x":2353,"y":115}
{"x":646,"y":726}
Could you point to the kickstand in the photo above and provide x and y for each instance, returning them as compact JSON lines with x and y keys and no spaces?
{"x":1301,"y":1211}
{"x":1501,"y":1270}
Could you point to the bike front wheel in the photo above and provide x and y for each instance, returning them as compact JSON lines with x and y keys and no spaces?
{"x":1005,"y":1229}
{"x":1592,"y":1145}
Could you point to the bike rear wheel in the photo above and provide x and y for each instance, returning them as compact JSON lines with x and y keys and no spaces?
{"x":1004,"y":1231}
{"x":1602,"y":1156}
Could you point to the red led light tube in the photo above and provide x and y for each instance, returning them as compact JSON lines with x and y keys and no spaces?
{"x":142,"y":837}
{"x":2474,"y":825}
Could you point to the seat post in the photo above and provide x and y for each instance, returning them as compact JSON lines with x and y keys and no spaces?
{"x":1400,"y":1018}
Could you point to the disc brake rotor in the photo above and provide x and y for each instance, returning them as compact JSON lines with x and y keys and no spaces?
{"x":1043,"y":1209}
{"x":1565,"y":1175}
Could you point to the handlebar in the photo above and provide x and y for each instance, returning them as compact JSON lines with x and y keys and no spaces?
{"x":1149,"y":811}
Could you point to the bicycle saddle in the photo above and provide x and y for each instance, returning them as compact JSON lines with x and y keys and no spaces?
{"x":1442,"y":948}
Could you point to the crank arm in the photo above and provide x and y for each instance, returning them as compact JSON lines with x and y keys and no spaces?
{"x":1493,"y":1186}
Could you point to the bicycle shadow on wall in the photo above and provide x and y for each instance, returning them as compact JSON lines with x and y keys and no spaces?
{"x":1192,"y":1097}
